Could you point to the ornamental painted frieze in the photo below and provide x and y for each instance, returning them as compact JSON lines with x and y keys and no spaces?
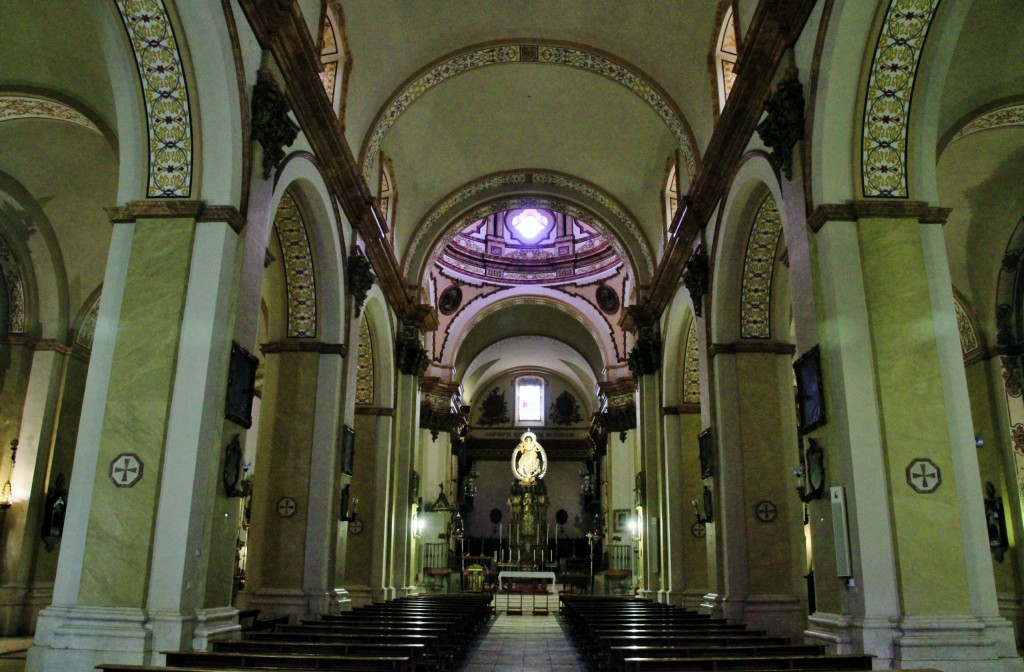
{"x":889,"y":92}
{"x":758,"y":266}
{"x":969,"y":343}
{"x":168,"y":116}
{"x":87,"y":330}
{"x":691,"y":366}
{"x":364,"y":365}
{"x":1009,"y":115}
{"x":300,"y":281}
{"x":543,"y":54}
{"x":18,"y":106}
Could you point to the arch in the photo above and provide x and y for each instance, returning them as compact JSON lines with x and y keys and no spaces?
{"x":535,"y":52}
{"x":985,"y":119}
{"x":758,"y":267}
{"x":888,"y":97}
{"x":755,"y":180}
{"x":677,"y":323}
{"x":168,"y":112}
{"x":299,"y":274}
{"x":970,"y":338}
{"x":365,"y":387}
{"x":15,"y":105}
{"x":382,"y":335}
{"x":299,"y":176}
{"x":439,"y":230}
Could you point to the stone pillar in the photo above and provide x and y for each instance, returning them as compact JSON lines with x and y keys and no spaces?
{"x":406,"y":432}
{"x":900,"y":440}
{"x":380,"y":589}
{"x":295,"y":508}
{"x":21,"y":523}
{"x":138,"y":570}
{"x":685,"y":538}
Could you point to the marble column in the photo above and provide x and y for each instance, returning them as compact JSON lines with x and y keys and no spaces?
{"x":138,"y":569}
{"x":22,"y":545}
{"x":900,"y":439}
{"x":406,"y":430}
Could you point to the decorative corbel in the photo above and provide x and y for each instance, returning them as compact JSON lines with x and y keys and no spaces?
{"x":410,"y":355}
{"x":695,"y":278}
{"x":784,"y":123}
{"x":271,"y":126}
{"x":360,"y":279}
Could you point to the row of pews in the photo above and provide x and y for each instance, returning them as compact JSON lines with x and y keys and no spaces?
{"x":632,"y":635}
{"x":415,"y":634}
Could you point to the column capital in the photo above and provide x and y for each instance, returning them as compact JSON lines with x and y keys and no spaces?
{"x":742,"y":347}
{"x":852,"y":211}
{"x":198,"y":210}
{"x":277,"y":347}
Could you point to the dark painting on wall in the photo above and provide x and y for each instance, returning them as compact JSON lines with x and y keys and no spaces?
{"x":810,"y":394}
{"x":241,"y":386}
{"x":705,"y":447}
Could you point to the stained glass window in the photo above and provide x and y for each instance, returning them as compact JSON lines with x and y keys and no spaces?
{"x":529,"y":400}
{"x":726,"y":53}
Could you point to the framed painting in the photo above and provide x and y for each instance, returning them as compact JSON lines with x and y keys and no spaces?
{"x":241,"y":386}
{"x":620,"y":520}
{"x":705,"y":447}
{"x":810,"y":393}
{"x":348,"y":449}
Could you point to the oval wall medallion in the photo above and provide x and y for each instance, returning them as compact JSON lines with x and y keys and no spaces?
{"x":607,"y":299}
{"x":450,"y":300}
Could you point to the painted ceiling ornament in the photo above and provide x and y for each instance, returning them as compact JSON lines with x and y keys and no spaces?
{"x":695,"y":277}
{"x":607,"y":299}
{"x":529,"y":461}
{"x":451,"y":299}
{"x":784,"y":123}
{"x":271,"y":126}
{"x":565,"y":410}
{"x":494,"y":410}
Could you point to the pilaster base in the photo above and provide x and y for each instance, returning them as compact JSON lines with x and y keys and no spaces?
{"x":949,"y":643}
{"x":1011,"y":609}
{"x":278,"y":602}
{"x":779,"y":615}
{"x":359,"y":596}
{"x":692,"y":599}
{"x":77,"y":639}
{"x":174,"y":631}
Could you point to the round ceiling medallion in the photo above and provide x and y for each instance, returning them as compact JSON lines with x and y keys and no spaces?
{"x":451,"y":299}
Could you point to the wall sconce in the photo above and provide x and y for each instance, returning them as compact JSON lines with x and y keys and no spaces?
{"x":6,"y":495}
{"x":709,"y":507}
{"x":458,"y":527}
{"x":814,"y":472}
{"x":417,"y":526}
{"x":636,"y":530}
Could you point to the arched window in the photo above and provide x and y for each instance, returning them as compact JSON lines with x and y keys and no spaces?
{"x":726,"y":53}
{"x":335,"y":57}
{"x":529,"y":400}
{"x":670,"y":200}
{"x":387,"y":195}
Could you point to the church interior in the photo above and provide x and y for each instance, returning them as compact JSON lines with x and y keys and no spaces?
{"x":311,"y":307}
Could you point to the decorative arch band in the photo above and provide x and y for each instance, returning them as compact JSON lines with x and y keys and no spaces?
{"x":23,"y":106}
{"x":525,"y":177}
{"x":299,"y":277}
{"x":758,"y":267}
{"x":1001,"y":117}
{"x":544,"y":53}
{"x":168,"y":116}
{"x":890,"y":90}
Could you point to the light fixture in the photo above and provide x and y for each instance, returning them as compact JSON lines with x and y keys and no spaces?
{"x":441,"y":503}
{"x":417,"y":526}
{"x":709,"y":507}
{"x":6,"y":495}
{"x":636,"y":529}
{"x":529,"y":223}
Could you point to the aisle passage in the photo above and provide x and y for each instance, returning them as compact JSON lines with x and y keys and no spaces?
{"x":527,"y":643}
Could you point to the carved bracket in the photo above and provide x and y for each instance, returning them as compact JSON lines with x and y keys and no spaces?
{"x":411,"y":357}
{"x":271,"y":126}
{"x":695,"y":278}
{"x":360,"y":279}
{"x":645,"y":357}
{"x":784,"y":123}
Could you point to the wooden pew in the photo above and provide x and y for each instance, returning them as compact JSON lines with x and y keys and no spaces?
{"x":243,"y":660}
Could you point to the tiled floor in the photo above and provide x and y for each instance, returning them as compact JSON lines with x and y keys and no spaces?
{"x":523,"y":643}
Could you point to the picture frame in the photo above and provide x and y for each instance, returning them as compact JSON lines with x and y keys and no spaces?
{"x":348,"y":450}
{"x":620,"y":520}
{"x":810,"y":393}
{"x":706,"y":450}
{"x":241,"y":386}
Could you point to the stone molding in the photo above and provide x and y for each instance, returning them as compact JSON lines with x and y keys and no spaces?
{"x":681,"y":409}
{"x":197,"y":210}
{"x":375,"y":410}
{"x":853,"y":211}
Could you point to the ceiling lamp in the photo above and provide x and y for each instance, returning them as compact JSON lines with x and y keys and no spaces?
{"x":529,"y":223}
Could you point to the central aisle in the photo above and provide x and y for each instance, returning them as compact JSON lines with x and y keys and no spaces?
{"x":526,"y":643}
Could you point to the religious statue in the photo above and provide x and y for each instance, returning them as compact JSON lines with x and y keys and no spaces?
{"x":529,"y":461}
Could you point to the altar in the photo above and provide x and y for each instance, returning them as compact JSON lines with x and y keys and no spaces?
{"x":539,"y":576}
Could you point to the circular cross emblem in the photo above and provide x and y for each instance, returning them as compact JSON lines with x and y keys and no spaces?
{"x":286,"y":507}
{"x":923,"y":475}
{"x":766,"y":511}
{"x":126,"y":470}
{"x":698,"y":530}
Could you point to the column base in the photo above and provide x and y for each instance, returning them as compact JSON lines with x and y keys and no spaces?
{"x":278,"y":602}
{"x":20,"y":607}
{"x":77,"y":639}
{"x":950,"y":643}
{"x":692,"y":599}
{"x":174,"y":631}
{"x":359,"y":596}
{"x":1011,"y":609}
